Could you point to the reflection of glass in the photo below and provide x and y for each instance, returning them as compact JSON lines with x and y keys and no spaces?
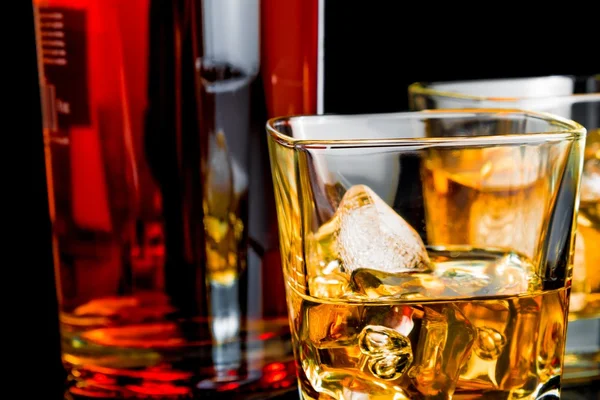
{"x":384,"y":304}
{"x":152,"y":140}
{"x":574,"y":98}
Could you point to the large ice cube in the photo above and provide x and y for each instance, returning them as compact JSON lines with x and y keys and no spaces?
{"x":367,"y":233}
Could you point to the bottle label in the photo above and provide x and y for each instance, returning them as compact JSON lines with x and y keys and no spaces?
{"x":64,"y":56}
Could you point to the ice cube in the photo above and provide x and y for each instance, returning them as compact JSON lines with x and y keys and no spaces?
{"x":367,"y":233}
{"x":397,"y":317}
{"x":505,"y":275}
{"x":511,"y":274}
{"x":326,"y":280}
{"x":333,"y":325}
{"x":491,"y":319}
{"x":330,"y":286}
{"x":374,"y":284}
{"x":347,"y":384}
{"x":465,"y":281}
{"x":387,"y":352}
{"x":445,"y":344}
{"x":489,"y":343}
{"x":590,"y":181}
{"x":522,"y":332}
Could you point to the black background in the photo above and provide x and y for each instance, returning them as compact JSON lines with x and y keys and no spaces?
{"x":372,"y":53}
{"x":373,"y":50}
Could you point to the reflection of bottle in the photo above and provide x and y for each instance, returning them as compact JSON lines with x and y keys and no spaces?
{"x":160,"y":181}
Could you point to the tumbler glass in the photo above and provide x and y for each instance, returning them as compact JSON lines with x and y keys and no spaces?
{"x":402,"y":276}
{"x":577,"y":98}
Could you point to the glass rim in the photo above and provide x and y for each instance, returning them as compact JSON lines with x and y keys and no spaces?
{"x":422,"y":88}
{"x":567,"y":129}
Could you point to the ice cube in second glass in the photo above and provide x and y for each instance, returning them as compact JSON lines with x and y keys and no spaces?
{"x":365,"y":232}
{"x":590,"y":181}
{"x":586,"y":261}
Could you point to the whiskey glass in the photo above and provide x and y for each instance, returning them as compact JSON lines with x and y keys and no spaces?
{"x":402,"y":277}
{"x":576,"y":98}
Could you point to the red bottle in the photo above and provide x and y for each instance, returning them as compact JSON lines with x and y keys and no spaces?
{"x":168,"y":271}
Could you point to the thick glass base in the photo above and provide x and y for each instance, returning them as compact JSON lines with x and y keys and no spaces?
{"x":550,"y":390}
{"x":169,"y":360}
